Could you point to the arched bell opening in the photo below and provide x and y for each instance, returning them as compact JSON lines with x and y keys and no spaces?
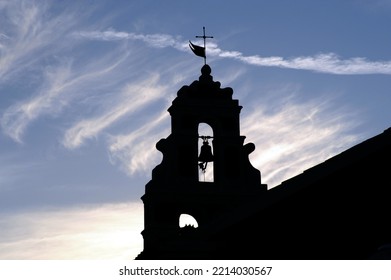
{"x":186,"y":220}
{"x":205,"y":152}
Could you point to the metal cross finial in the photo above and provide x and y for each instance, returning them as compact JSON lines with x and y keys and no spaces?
{"x":204,"y":37}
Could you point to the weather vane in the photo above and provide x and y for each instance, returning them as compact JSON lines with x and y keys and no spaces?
{"x":198,"y":50}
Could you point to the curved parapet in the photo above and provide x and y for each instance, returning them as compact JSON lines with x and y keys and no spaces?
{"x":205,"y":87}
{"x":251,"y":175}
{"x":158,"y":172}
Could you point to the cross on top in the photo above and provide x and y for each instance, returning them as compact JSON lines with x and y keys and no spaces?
{"x":204,"y":37}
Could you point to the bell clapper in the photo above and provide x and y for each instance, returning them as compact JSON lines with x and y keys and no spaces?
{"x":203,"y":166}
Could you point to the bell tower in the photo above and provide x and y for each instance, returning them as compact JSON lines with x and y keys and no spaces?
{"x":175,"y":187}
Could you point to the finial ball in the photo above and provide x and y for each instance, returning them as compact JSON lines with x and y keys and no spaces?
{"x":206,"y":70}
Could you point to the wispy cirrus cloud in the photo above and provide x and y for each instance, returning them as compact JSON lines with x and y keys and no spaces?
{"x":324,"y":62}
{"x":153,"y":40}
{"x":61,"y":85}
{"x":34,"y":63}
{"x":28,"y":34}
{"x":133,"y":151}
{"x":133,"y":98}
{"x":48,"y":99}
{"x":296,"y":136}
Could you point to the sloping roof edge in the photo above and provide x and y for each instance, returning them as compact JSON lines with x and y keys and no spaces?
{"x":306,"y":178}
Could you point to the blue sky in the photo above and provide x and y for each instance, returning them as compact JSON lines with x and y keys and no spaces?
{"x":85,"y":87}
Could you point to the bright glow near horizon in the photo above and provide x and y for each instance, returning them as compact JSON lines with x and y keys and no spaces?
{"x":95,"y":232}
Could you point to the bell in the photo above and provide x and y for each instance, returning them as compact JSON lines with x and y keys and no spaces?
{"x":206,"y":153}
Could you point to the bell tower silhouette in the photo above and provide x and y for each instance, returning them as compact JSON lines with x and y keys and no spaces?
{"x":175,"y":187}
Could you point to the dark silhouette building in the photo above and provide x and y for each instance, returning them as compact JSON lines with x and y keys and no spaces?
{"x":338,"y":209}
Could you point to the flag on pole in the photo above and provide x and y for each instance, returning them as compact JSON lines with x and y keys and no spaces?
{"x":197,"y":50}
